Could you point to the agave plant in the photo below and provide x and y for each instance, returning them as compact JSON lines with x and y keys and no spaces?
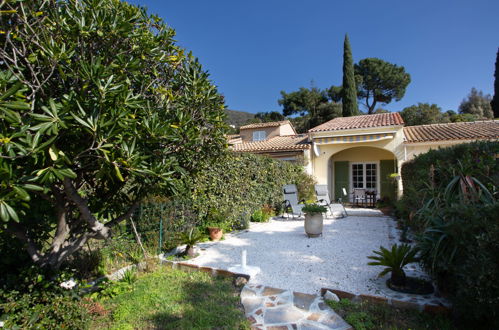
{"x":190,"y":238}
{"x":394,"y":260}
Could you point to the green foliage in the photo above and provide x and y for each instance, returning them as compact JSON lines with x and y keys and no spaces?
{"x":495,"y":100}
{"x":191,"y":237}
{"x":394,"y":260}
{"x":238,"y":118}
{"x":368,"y":315}
{"x":264,"y":117}
{"x":262,"y":215}
{"x":432,"y":171}
{"x":42,"y":310}
{"x":314,"y":209}
{"x":177,"y":299}
{"x":349,"y":89}
{"x":451,"y":198}
{"x":312,"y":104}
{"x":423,"y":114}
{"x":122,"y":112}
{"x":477,"y":104}
{"x":380,"y":81}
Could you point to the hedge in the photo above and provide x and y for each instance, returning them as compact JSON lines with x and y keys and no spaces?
{"x":450,"y":201}
{"x":432,"y":171}
{"x":227,"y":193}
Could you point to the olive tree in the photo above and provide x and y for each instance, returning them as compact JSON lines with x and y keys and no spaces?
{"x":98,"y":107}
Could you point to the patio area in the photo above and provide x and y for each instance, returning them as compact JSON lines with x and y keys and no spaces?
{"x":290,"y":260}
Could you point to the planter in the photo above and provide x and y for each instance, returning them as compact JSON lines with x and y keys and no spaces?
{"x":313,"y":224}
{"x":215,"y":233}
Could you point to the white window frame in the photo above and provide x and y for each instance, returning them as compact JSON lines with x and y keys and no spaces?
{"x":350,"y":169}
{"x":259,"y":135}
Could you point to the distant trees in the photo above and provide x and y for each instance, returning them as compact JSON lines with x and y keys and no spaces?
{"x":477,"y":104}
{"x":264,"y":117}
{"x":423,"y":114}
{"x":312,"y":103}
{"x":349,"y":90}
{"x":495,"y":100}
{"x":380,"y":81}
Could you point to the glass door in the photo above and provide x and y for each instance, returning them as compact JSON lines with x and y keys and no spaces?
{"x":365,"y":176}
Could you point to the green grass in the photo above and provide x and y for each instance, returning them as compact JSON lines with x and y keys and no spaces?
{"x":366,"y":315}
{"x":173,"y":299}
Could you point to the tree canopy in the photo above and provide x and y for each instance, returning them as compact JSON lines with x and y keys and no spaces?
{"x":98,"y":107}
{"x":477,"y":104}
{"x":311,"y":103}
{"x":380,"y":81}
{"x":423,"y":114}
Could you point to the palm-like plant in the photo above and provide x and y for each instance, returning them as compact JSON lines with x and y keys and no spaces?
{"x":394,"y":260}
{"x":190,"y":238}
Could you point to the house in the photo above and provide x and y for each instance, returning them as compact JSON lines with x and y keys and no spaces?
{"x":361,"y":152}
{"x":275,"y":139}
{"x":358,"y":152}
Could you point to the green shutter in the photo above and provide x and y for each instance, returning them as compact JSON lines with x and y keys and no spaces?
{"x":340,"y":178}
{"x":388,"y":187}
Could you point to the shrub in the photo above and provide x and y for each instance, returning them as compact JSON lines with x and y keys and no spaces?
{"x":230,"y":192}
{"x":394,"y":260}
{"x":450,"y":198}
{"x":431,"y":172}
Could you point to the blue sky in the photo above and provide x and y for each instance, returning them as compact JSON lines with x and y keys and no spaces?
{"x":254,"y":49}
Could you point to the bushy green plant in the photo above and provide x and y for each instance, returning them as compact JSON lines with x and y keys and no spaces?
{"x":115,"y":110}
{"x":450,"y":198}
{"x":262,"y":215}
{"x":190,"y":238}
{"x":430,"y":173}
{"x":42,"y":309}
{"x":394,"y":260}
{"x":314,"y":209}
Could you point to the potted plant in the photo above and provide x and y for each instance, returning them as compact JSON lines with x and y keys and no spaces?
{"x":215,"y":230}
{"x":190,"y":239}
{"x":314,"y":219}
{"x":394,"y":260}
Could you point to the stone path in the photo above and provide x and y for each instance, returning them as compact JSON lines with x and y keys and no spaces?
{"x":275,"y":309}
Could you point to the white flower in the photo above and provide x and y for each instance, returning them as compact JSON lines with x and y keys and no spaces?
{"x":1,"y":324}
{"x":68,"y":285}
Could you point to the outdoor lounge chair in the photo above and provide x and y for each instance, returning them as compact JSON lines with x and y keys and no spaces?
{"x":291,"y":200}
{"x":322,"y":194}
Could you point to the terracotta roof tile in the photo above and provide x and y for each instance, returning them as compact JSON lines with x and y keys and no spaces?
{"x":269,"y":124}
{"x":277,"y":143}
{"x":488,"y":129}
{"x":364,"y":121}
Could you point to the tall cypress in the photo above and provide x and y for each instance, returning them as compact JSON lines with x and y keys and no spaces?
{"x":349,"y":91}
{"x":495,"y":100}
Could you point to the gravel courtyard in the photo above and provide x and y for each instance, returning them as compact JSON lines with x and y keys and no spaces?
{"x":289,"y":259}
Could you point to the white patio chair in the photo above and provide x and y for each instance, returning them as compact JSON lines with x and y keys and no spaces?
{"x":322,"y":194}
{"x":291,"y":200}
{"x":359,"y":195}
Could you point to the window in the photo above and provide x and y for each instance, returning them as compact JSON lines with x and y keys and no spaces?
{"x":364,"y":176}
{"x":259,"y":135}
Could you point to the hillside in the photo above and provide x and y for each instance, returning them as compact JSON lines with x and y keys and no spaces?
{"x":238,"y":118}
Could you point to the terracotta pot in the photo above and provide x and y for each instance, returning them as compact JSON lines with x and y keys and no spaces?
{"x":215,"y":233}
{"x":313,"y":224}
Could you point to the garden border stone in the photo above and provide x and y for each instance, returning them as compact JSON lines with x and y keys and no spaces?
{"x":428,"y":308}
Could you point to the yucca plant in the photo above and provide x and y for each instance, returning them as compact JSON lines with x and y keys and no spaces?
{"x":394,"y":260}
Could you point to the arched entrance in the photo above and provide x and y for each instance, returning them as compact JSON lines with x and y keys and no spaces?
{"x":366,"y":168}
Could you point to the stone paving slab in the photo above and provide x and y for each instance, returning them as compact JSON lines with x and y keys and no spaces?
{"x":270,"y":308}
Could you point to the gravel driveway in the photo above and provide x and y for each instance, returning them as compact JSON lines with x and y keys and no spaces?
{"x":289,"y":259}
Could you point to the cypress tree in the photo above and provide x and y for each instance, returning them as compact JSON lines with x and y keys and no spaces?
{"x":495,"y":101}
{"x":349,"y":91}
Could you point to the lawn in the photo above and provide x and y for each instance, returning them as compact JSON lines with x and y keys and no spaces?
{"x":366,"y":315}
{"x":173,"y":299}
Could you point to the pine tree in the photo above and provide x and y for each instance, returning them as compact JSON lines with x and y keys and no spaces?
{"x":349,"y":91}
{"x":495,"y":101}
